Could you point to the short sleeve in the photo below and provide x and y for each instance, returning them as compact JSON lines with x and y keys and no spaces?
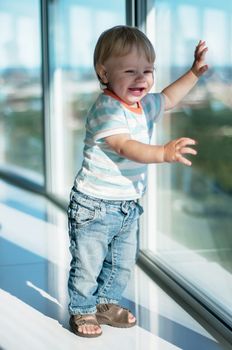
{"x":153,"y":106}
{"x":106,"y":118}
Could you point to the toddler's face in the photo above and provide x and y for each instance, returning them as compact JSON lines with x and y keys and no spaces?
{"x":130,"y":76}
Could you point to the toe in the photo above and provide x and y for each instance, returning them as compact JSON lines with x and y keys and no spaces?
{"x":97,"y":330}
{"x":80,"y":329}
{"x":89,"y":328}
{"x":131,"y":318}
{"x":92,"y":330}
{"x":85,"y":330}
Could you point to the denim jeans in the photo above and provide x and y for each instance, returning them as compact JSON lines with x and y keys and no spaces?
{"x":103,"y":244}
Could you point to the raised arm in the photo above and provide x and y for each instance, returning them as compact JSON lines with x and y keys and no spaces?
{"x":180,"y":88}
{"x":139,"y":152}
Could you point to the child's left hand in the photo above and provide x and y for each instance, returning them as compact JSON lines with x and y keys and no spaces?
{"x":199,"y":67}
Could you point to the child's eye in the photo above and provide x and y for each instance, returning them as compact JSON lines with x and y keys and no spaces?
{"x":149,"y":71}
{"x":130,"y":71}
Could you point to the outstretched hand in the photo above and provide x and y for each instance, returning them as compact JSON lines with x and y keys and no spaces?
{"x":199,"y":67}
{"x":175,"y":149}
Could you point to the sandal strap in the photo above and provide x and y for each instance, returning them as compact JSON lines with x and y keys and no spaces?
{"x":114,"y":312}
{"x":81,"y":320}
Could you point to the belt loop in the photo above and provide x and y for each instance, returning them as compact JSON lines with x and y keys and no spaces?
{"x":124,"y":207}
{"x":102,"y":207}
{"x":71,"y":194}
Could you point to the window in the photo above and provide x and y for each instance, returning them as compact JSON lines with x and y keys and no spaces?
{"x":74,"y":29}
{"x":21,"y":132}
{"x":190,"y":232}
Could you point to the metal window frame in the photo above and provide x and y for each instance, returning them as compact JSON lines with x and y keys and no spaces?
{"x":187,"y":297}
{"x":46,"y":93}
{"x":130,"y":12}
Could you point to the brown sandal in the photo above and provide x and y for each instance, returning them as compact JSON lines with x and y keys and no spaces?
{"x":81,"y":320}
{"x":113,"y":315}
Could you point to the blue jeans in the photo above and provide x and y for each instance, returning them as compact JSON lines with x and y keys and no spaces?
{"x":103,"y":244}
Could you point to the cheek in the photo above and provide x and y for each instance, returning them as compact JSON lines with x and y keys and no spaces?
{"x":151,"y":80}
{"x":120,"y":82}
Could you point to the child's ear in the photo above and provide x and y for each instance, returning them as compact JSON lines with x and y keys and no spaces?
{"x":101,"y":72}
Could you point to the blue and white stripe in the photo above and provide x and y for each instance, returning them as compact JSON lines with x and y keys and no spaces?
{"x":104,"y":173}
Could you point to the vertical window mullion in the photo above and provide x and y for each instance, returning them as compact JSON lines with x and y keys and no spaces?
{"x":130,"y":12}
{"x":46,"y":94}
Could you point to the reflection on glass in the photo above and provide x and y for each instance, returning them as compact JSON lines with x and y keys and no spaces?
{"x":194,"y":205}
{"x":20,"y":89}
{"x":74,"y":29}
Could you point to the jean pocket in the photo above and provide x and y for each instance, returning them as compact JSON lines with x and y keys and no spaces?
{"x":80,"y":214}
{"x":84,"y":215}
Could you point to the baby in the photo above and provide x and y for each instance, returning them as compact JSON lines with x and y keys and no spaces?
{"x":103,"y":212}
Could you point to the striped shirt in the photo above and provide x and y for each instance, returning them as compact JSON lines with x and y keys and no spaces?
{"x":104,"y":173}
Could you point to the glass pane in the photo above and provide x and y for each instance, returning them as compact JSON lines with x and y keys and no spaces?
{"x":74,"y":29}
{"x":194,"y":205}
{"x":21,"y":139}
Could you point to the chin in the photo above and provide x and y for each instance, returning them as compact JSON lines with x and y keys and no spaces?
{"x":136,"y":100}
{"x":130,"y":102}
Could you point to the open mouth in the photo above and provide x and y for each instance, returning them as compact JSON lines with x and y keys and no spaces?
{"x":137,"y":91}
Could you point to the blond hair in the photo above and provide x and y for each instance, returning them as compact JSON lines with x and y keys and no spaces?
{"x":118,"y":41}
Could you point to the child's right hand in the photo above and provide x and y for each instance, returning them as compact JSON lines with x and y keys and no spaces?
{"x":175,"y":149}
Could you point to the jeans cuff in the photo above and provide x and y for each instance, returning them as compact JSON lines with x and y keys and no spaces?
{"x":103,"y":300}
{"x":83,"y":310}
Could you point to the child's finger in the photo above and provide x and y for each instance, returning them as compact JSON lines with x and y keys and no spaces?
{"x":184,"y":161}
{"x":201,"y":42}
{"x":185,"y":141}
{"x":188,"y":150}
{"x":200,"y":48}
{"x":203,"y":53}
{"x":200,"y":54}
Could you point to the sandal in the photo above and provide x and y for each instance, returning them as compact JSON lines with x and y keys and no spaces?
{"x":81,"y":320}
{"x":113,"y":315}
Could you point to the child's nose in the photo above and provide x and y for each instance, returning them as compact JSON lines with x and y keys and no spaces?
{"x":140,"y":76}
